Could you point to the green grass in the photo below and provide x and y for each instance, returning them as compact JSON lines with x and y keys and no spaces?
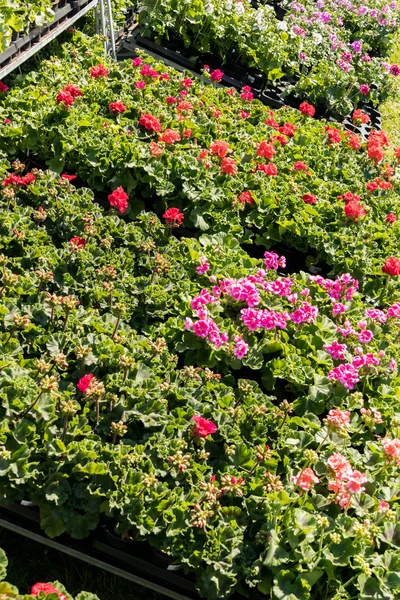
{"x":30,"y":562}
{"x":391,"y":108}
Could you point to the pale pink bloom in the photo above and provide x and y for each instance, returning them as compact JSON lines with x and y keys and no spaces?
{"x":383,"y":506}
{"x":338,"y":418}
{"x":305,"y":479}
{"x":203,"y":266}
{"x":188,"y":323}
{"x":391,"y":448}
{"x":392,"y":364}
{"x":339,"y":464}
{"x":362,"y":324}
{"x":355,"y":481}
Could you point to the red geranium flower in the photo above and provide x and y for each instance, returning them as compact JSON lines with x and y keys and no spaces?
{"x":397,"y":154}
{"x":300,"y":166}
{"x":3,"y":87}
{"x":269,"y":169}
{"x":68,"y":177}
{"x":119,"y":199}
{"x":309,"y":199}
{"x":169,"y":137}
{"x":287,"y":129}
{"x":390,"y":218}
{"x":73,"y":90}
{"x":228,"y":167}
{"x":155,"y":149}
{"x":47,"y":588}
{"x":391,"y":266}
{"x":246,"y":198}
{"x":150,"y":123}
{"x":99,"y":71}
{"x":354,"y":210}
{"x":202,"y":427}
{"x":187,"y":133}
{"x":117,"y":107}
{"x":272,"y":123}
{"x":84,"y":382}
{"x":354,"y":141}
{"x":174,"y":217}
{"x":307,"y":109}
{"x":64,"y":97}
{"x":349,"y":197}
{"x":333,"y":135}
{"x":77,"y":243}
{"x":266,"y":149}
{"x":360,"y":116}
{"x":220,"y":148}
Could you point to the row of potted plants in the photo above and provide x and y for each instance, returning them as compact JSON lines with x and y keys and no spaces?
{"x":240,"y":419}
{"x":224,"y":159}
{"x":330,"y":53}
{"x":40,"y":591}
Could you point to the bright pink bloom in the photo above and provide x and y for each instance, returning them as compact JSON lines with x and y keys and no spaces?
{"x":336,"y":350}
{"x":365,"y":336}
{"x":137,"y":61}
{"x":84,"y":382}
{"x":273,"y":261}
{"x":346,"y":373}
{"x":241,"y":348}
{"x":3,"y":87}
{"x":216,"y":75}
{"x":202,"y":427}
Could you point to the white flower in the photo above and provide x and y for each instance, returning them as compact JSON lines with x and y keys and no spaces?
{"x":317,"y":37}
{"x":209,"y":8}
{"x":239,"y":9}
{"x":281,"y":26}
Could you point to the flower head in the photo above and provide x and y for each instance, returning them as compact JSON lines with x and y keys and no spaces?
{"x":119,"y":199}
{"x":84,"y":382}
{"x":173,"y":217}
{"x":307,"y":109}
{"x":202,"y":427}
{"x":305,"y":479}
{"x":99,"y":71}
{"x":47,"y":588}
{"x":391,"y":266}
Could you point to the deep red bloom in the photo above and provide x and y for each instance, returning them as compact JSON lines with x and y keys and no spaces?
{"x":220,"y":148}
{"x":3,"y":87}
{"x":73,"y":90}
{"x":68,"y":177}
{"x":309,"y":199}
{"x":216,"y":75}
{"x":228,"y":167}
{"x":99,"y":71}
{"x":64,"y":97}
{"x":119,"y":199}
{"x":171,"y":100}
{"x":202,"y":427}
{"x":117,"y":107}
{"x":84,"y":382}
{"x":246,"y":198}
{"x":269,"y":169}
{"x":390,"y":218}
{"x":174,"y":217}
{"x":77,"y":242}
{"x":266,"y":149}
{"x":169,"y":137}
{"x":391,"y":266}
{"x":47,"y":588}
{"x":354,"y":210}
{"x":150,"y":123}
{"x":307,"y":109}
{"x":187,"y":133}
